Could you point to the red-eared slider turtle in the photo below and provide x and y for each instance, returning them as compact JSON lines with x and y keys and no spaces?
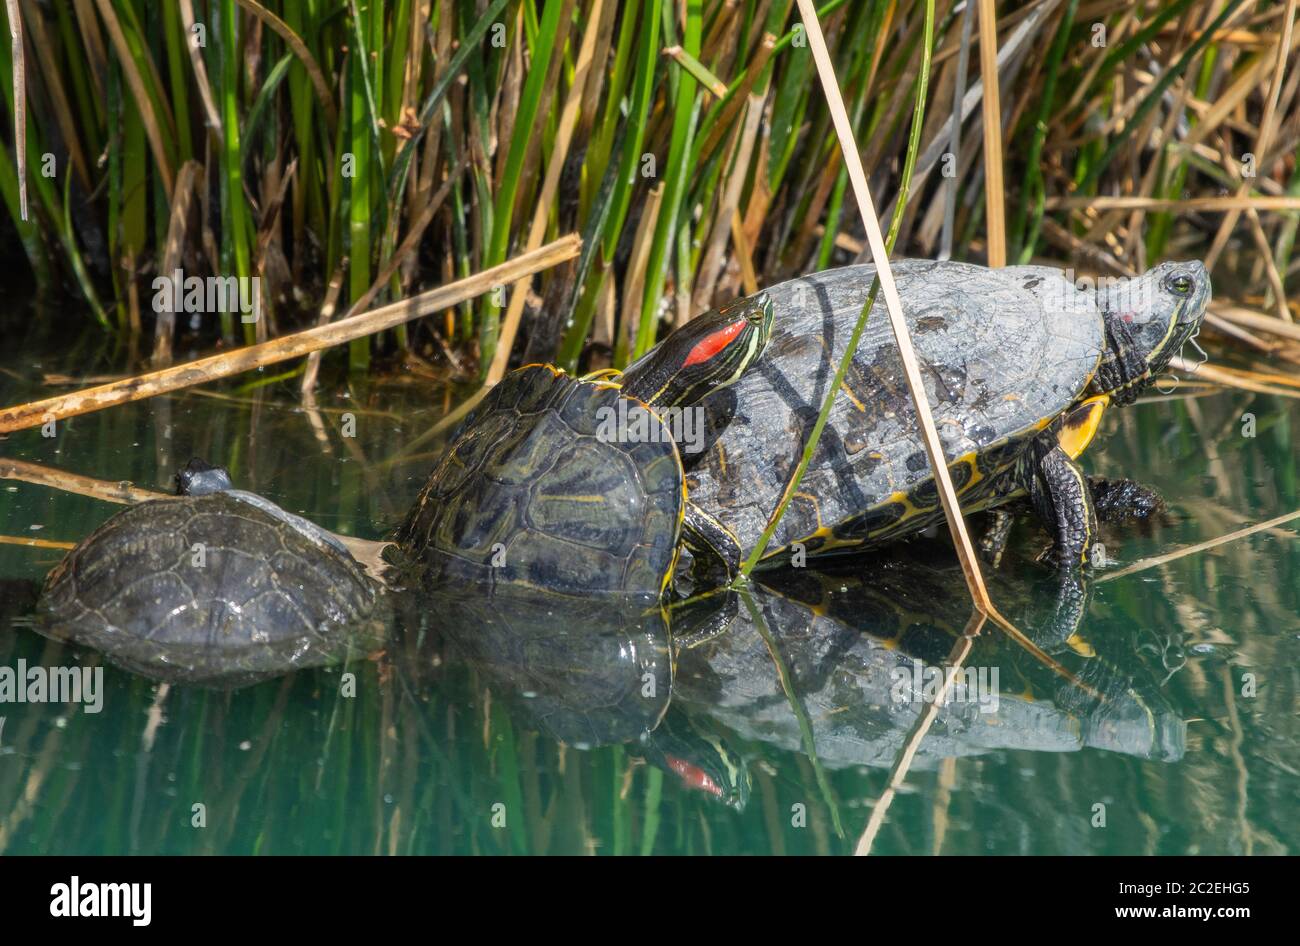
{"x":575,"y":485}
{"x":214,"y":585}
{"x":1018,"y":364}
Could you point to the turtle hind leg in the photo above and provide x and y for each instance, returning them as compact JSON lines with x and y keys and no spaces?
{"x":1120,"y":500}
{"x":715,"y":550}
{"x":1058,"y":490}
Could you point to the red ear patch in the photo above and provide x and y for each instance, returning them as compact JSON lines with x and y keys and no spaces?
{"x":693,"y":776}
{"x":711,"y":344}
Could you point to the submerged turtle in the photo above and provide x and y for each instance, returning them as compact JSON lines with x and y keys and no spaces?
{"x":215,"y":585}
{"x":1018,"y":365}
{"x":575,"y":485}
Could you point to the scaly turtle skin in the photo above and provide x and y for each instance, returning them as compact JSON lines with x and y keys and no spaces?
{"x":214,"y":585}
{"x":1018,"y":365}
{"x":575,"y":486}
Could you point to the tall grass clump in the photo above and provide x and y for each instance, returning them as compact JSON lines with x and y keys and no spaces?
{"x":336,"y":143}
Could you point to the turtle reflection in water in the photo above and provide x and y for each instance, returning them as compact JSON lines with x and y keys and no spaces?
{"x":852,"y":649}
{"x":216,"y":585}
{"x":590,"y":673}
{"x":597,"y":673}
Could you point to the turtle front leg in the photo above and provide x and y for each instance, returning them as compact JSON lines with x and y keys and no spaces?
{"x":716,"y":550}
{"x":1059,"y":492}
{"x":1119,"y":500}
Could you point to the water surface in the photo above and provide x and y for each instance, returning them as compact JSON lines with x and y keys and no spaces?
{"x":1182,"y":737}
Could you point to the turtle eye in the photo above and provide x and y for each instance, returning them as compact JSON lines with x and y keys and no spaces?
{"x":1180,"y":284}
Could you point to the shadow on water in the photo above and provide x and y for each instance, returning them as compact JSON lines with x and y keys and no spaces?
{"x":517,"y":724}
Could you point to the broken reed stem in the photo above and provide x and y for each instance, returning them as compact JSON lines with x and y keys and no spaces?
{"x":35,"y":543}
{"x":893,"y":304}
{"x":369,"y":552}
{"x":1146,"y":563}
{"x":291,"y":39}
{"x":302,"y":343}
{"x":123,"y":493}
{"x":1168,"y":204}
{"x":995,"y":203}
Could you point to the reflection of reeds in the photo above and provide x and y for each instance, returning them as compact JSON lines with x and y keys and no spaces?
{"x":321,"y":137}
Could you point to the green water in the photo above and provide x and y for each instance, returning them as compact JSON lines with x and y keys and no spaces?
{"x":1185,"y":741}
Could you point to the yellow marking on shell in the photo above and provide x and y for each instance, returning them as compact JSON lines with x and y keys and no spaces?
{"x":1081,"y":425}
{"x":722,"y":460}
{"x":831,"y":541}
{"x":1080,"y":646}
{"x":844,"y":386}
{"x":602,"y":374}
{"x":573,"y":499}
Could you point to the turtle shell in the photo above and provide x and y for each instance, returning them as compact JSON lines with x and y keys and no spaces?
{"x":1002,"y":353}
{"x":534,"y":492}
{"x":202,"y":585}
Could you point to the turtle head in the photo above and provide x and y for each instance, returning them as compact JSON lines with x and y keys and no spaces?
{"x":1148,"y":319}
{"x":708,"y":352}
{"x":696,"y":754}
{"x":198,"y":478}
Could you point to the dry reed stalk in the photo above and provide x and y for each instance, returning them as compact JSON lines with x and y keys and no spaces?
{"x":223,"y":365}
{"x":994,"y":198}
{"x":20,"y":101}
{"x":1164,"y":558}
{"x":551,"y":184}
{"x":1267,"y":127}
{"x":143,"y":103}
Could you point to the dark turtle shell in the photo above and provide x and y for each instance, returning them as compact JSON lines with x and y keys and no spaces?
{"x":534,"y":493}
{"x":207,"y":586}
{"x":1002,"y":353}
